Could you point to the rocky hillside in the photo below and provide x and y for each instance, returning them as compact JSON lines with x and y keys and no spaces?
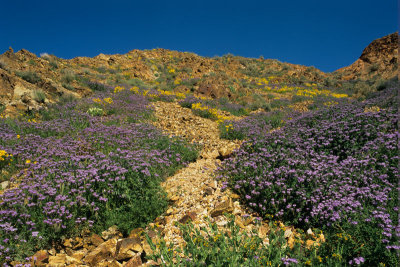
{"x":379,"y":60}
{"x":28,"y":82}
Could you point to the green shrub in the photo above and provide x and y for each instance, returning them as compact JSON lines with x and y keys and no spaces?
{"x":95,"y":111}
{"x":31,"y":77}
{"x":68,"y":76}
{"x":39,"y":96}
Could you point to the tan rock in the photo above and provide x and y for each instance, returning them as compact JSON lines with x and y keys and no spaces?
{"x":105,"y":250}
{"x":135,"y":261}
{"x":78,"y":255}
{"x":263,"y":231}
{"x":61,"y":260}
{"x":109,"y":263}
{"x":111,"y":232}
{"x":127,"y":248}
{"x":224,"y":207}
{"x":96,"y":239}
{"x":190,"y":216}
{"x":41,"y":257}
{"x":137,"y":232}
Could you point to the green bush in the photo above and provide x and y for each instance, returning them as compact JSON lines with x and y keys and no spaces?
{"x":39,"y":96}
{"x":31,"y":77}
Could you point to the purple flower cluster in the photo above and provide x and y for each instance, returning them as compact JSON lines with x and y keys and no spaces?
{"x":335,"y":166}
{"x":90,"y":172}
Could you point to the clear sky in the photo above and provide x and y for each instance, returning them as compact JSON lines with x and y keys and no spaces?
{"x":325,"y":34}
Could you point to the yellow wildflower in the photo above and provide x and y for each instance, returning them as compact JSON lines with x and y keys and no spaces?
{"x":108,"y":100}
{"x":27,"y":161}
{"x":135,"y":89}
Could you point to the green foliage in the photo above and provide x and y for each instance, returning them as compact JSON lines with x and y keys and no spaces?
{"x":68,"y":86}
{"x":229,"y":132}
{"x":68,"y":76}
{"x":95,"y":112}
{"x":53,"y":64}
{"x":229,"y":246}
{"x":29,"y":76}
{"x":39,"y":96}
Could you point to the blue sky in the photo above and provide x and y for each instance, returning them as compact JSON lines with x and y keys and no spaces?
{"x":325,"y":34}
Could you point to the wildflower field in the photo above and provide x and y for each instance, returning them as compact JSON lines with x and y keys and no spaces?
{"x":83,"y":165}
{"x":89,"y":164}
{"x":334,"y":169}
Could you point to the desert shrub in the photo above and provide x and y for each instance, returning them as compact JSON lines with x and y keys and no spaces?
{"x":97,"y":86}
{"x":39,"y":96}
{"x":53,"y":64}
{"x":68,"y":77}
{"x":279,"y":103}
{"x":68,"y":86}
{"x":31,"y":77}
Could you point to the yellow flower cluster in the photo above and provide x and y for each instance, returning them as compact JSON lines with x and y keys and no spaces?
{"x":343,"y":236}
{"x":229,"y":127}
{"x":33,"y":121}
{"x":108,"y":100}
{"x":262,"y":81}
{"x":177,"y":81}
{"x":97,"y":100}
{"x":4,"y":155}
{"x":134,"y":89}
{"x":171,"y":70}
{"x":104,"y":101}
{"x":330,"y":103}
{"x":314,"y":92}
{"x":372,"y":109}
{"x":339,"y":95}
{"x":118,"y":89}
{"x":212,"y":111}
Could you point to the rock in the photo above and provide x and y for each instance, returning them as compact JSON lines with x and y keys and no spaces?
{"x":127,"y":248}
{"x":4,"y":185}
{"x":224,"y":207}
{"x":263,"y":231}
{"x":288,"y":233}
{"x":235,"y":196}
{"x":105,"y":250}
{"x":146,"y":247}
{"x":174,"y":198}
{"x":135,"y":261}
{"x":78,"y":255}
{"x":62,"y":260}
{"x":137,"y":232}
{"x":68,"y":243}
{"x":109,"y":263}
{"x":40,"y":258}
{"x":208,"y":191}
{"x":225,"y":152}
{"x":190,"y":216}
{"x":96,"y":240}
{"x":111,"y":232}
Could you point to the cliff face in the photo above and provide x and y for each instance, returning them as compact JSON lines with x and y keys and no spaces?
{"x":378,"y":60}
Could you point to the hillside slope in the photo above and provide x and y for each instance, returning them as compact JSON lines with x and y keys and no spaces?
{"x":28,"y":82}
